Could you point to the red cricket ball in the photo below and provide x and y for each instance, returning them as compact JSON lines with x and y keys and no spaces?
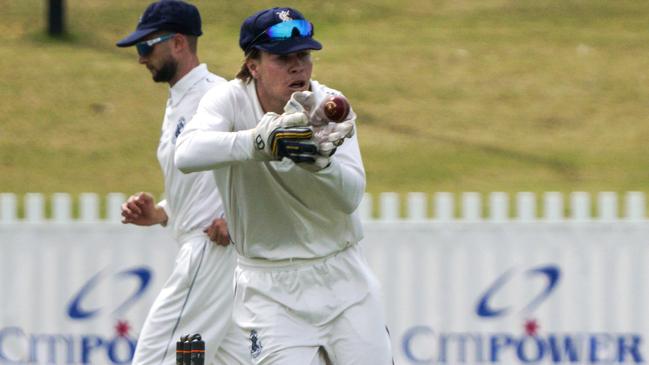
{"x":336,"y":108}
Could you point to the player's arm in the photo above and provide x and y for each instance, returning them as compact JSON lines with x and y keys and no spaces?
{"x":210,"y":142}
{"x":140,"y":209}
{"x":337,"y":167}
{"x":343,"y":181}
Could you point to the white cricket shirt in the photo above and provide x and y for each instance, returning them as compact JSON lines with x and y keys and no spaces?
{"x":192,"y":200}
{"x":275,"y":209}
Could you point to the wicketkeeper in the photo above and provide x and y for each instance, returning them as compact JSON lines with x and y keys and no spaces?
{"x":304,"y":292}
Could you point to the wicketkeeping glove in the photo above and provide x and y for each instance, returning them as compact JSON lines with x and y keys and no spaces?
{"x":298,"y":150}
{"x":300,"y":101}
{"x":334,"y":132}
{"x":274,"y":128}
{"x":325,"y":137}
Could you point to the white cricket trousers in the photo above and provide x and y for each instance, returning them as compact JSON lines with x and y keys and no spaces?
{"x":321,"y":311}
{"x":197,"y":298}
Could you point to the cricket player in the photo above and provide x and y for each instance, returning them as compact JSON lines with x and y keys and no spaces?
{"x":304,"y":292}
{"x":198,"y":296}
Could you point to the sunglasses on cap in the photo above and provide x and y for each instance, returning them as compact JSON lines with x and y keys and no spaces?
{"x":145,"y":48}
{"x":286,"y":30}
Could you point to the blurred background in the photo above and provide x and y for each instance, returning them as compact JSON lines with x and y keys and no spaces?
{"x":490,"y":95}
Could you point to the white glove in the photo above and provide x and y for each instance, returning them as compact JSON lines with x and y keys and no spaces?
{"x":272,"y":128}
{"x":326,"y":138}
{"x":300,"y":101}
{"x":340,"y":131}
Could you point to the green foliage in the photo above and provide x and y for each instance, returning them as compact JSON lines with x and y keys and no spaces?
{"x":458,"y":95}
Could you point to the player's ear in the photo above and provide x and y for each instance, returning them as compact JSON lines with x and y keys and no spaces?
{"x":252,"y":65}
{"x":179,"y":42}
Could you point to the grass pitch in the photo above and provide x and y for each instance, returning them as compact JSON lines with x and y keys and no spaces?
{"x":458,"y":95}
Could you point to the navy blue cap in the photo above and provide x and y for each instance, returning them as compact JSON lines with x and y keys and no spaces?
{"x":253,"y":28}
{"x":165,"y":15}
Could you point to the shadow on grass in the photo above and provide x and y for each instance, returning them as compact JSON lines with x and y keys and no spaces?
{"x":567,"y":169}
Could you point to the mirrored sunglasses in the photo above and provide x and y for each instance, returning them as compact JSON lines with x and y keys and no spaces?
{"x":145,"y":48}
{"x":286,"y":30}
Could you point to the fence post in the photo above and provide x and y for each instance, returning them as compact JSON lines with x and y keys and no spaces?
{"x":580,"y":205}
{"x":61,"y":207}
{"x":89,"y":207}
{"x":8,"y":207}
{"x":389,"y":203}
{"x":444,"y":208}
{"x":34,"y":207}
{"x":498,"y":206}
{"x":553,"y":206}
{"x":417,"y":206}
{"x":114,"y":206}
{"x":471,"y":206}
{"x":635,"y":205}
{"x":607,"y":205}
{"x":526,"y":206}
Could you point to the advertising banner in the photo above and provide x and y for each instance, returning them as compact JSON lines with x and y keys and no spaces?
{"x":514,"y":293}
{"x":455,"y":292}
{"x":77,"y":293}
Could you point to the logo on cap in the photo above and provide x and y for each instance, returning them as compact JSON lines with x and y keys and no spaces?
{"x":284,"y":15}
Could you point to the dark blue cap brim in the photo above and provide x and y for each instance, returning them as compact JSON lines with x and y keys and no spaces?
{"x":135,"y":37}
{"x":289,"y":46}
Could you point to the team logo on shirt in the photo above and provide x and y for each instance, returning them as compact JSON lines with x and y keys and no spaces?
{"x":179,"y":128}
{"x":255,"y":344}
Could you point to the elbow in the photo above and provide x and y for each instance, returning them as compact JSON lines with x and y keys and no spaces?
{"x":350,"y":191}
{"x":349,"y":208}
{"x":353,"y":205}
{"x":351,"y":202}
{"x":182,"y":165}
{"x":182,"y":161}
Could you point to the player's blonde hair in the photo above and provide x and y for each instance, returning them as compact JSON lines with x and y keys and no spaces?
{"x":244,"y":74}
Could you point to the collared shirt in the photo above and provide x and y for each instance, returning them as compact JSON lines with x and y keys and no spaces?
{"x":275,"y":210}
{"x":192,"y":200}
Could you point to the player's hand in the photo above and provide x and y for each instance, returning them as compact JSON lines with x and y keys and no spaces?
{"x":274,"y":128}
{"x":336,"y":133}
{"x":218,"y":232}
{"x":300,"y":102}
{"x":140,"y":209}
{"x":327,"y":139}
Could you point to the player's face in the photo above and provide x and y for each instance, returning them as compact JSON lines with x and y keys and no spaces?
{"x":279,"y":76}
{"x":160,"y":62}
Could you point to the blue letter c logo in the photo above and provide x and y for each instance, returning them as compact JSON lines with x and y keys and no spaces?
{"x":550,"y":272}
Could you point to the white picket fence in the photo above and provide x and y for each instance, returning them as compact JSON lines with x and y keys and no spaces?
{"x":441,"y":206}
{"x":437,"y":256}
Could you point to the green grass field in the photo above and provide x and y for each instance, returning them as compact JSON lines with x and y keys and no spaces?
{"x":488,"y":95}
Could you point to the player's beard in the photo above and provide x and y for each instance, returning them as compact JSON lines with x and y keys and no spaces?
{"x":166,"y":72}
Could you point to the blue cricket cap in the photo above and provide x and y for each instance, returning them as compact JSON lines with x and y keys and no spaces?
{"x":278,"y":31}
{"x":165,"y":15}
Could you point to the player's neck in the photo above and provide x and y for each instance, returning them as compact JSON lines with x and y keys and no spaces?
{"x":268,"y":104}
{"x":183,"y":69}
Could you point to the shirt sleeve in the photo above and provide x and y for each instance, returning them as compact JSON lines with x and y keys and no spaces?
{"x":209,"y":141}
